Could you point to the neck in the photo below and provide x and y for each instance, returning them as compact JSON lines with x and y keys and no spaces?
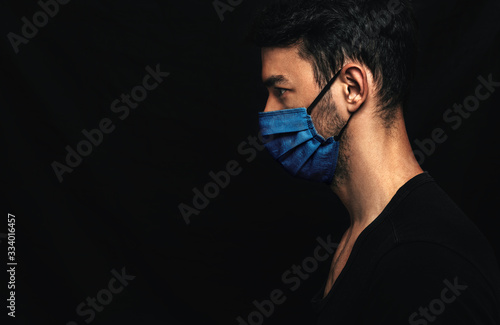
{"x":380,"y":161}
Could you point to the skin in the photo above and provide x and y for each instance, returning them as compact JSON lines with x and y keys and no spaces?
{"x":374,"y":160}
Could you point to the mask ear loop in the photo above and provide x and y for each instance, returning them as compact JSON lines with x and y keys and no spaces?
{"x":337,"y":137}
{"x":320,"y":96}
{"x":323,"y":92}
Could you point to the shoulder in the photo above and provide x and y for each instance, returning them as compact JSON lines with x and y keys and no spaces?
{"x":423,"y":260}
{"x":424,"y":282}
{"x":428,"y":224}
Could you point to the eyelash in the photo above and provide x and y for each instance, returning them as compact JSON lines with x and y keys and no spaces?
{"x":280,"y":91}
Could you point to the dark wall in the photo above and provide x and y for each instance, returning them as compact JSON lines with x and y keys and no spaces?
{"x":116,"y":210}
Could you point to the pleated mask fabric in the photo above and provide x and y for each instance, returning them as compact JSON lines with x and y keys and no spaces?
{"x":295,"y":143}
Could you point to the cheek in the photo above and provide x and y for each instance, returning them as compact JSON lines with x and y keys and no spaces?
{"x":310,"y":94}
{"x":326,"y":119}
{"x":296,"y":99}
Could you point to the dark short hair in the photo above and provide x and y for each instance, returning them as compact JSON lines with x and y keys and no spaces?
{"x":378,"y":33}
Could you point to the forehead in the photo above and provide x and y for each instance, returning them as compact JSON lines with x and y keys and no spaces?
{"x":285,"y":61}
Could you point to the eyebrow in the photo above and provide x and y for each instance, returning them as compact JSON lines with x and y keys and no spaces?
{"x":274,"y":80}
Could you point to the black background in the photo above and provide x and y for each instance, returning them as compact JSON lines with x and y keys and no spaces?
{"x":119,"y":208}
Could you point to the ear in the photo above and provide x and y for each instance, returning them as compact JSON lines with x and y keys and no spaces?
{"x":354,"y":86}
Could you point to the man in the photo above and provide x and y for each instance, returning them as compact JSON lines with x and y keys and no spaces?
{"x":410,"y":255}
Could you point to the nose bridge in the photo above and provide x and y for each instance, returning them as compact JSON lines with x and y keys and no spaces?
{"x":268,"y":104}
{"x":272,"y":104}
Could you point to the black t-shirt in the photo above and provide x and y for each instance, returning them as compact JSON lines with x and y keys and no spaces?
{"x":422,"y":261}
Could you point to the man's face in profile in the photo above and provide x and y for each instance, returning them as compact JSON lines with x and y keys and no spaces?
{"x":288,"y":77}
{"x":291,"y":83}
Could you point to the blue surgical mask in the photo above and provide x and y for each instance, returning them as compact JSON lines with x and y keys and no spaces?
{"x":295,"y":143}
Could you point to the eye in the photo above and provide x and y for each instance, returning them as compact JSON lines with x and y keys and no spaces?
{"x":280,"y":91}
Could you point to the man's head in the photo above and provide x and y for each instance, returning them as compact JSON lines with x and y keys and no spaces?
{"x":305,"y":42}
{"x":379,"y":34}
